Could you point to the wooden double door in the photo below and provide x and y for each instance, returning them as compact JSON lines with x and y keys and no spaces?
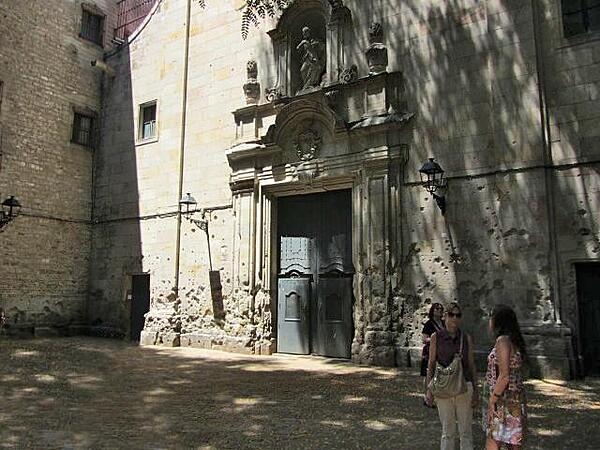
{"x":315,"y":274}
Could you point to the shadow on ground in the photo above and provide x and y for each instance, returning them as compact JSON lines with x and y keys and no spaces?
{"x":99,"y":393}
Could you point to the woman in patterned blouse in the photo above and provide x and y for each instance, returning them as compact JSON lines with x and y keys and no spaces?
{"x":506,"y":409}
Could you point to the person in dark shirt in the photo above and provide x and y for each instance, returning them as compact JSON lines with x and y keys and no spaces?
{"x":433,"y":324}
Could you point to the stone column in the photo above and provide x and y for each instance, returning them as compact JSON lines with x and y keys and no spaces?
{"x":373,"y":339}
{"x":335,"y":42}
{"x":282,"y":57}
{"x":243,"y":238}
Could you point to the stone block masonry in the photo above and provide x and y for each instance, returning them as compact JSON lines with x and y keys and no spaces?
{"x":46,"y":75}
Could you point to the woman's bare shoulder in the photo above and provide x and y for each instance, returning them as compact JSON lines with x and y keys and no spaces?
{"x":503,"y":341}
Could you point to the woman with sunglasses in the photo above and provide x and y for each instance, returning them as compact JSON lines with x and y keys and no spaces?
{"x":506,"y":409}
{"x":435,"y":323}
{"x":456,"y":410}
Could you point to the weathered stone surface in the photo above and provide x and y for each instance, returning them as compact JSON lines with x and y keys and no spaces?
{"x":464,"y":84}
{"x":46,"y":76}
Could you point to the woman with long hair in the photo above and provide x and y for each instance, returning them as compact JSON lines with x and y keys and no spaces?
{"x":506,"y":410}
{"x":435,"y":323}
{"x":457,"y":410}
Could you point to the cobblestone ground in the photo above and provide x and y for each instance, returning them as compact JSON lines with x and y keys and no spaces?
{"x":86,"y":393}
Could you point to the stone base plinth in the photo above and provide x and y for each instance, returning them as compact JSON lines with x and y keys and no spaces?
{"x":218,"y":342}
{"x":160,"y":338}
{"x":376,"y":349}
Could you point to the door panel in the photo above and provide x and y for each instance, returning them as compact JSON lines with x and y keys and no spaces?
{"x":334,"y":317}
{"x":588,"y":293}
{"x":293,"y":320}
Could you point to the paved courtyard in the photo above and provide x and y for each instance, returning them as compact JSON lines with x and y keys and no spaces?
{"x":92,"y":393}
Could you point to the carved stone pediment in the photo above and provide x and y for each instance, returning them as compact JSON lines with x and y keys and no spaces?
{"x":301,"y":135}
{"x":309,"y":112}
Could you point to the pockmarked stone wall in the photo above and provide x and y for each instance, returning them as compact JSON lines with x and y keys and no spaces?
{"x":46,"y":75}
{"x":572,"y":87}
{"x":491,"y":90}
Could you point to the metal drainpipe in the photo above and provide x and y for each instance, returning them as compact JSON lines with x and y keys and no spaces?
{"x":182,"y":142}
{"x":548,"y":163}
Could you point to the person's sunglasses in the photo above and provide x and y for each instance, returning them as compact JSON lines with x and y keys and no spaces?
{"x":457,"y":315}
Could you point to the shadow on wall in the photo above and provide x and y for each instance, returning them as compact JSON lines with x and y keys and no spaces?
{"x":116,"y":251}
{"x":471,"y":76}
{"x":471,"y":73}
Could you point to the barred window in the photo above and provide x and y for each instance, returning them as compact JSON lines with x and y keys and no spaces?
{"x":580,"y":16}
{"x":83,"y":130}
{"x":92,"y":26}
{"x":147,"y":121}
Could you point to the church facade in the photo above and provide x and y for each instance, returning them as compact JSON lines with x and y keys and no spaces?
{"x":264,"y":194}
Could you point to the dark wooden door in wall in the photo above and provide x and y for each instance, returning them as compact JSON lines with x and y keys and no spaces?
{"x":315,"y":274}
{"x":140,"y":304}
{"x":588,"y":296}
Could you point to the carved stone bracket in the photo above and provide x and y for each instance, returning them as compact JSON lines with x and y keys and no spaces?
{"x":273,"y":94}
{"x":348,"y":75}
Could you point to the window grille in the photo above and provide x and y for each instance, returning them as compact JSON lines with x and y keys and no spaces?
{"x":92,"y":27}
{"x":83,"y":127}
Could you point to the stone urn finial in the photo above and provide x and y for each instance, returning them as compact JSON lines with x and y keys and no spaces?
{"x":252,"y":86}
{"x":376,"y":53}
{"x":252,"y":69}
{"x":375,"y":33}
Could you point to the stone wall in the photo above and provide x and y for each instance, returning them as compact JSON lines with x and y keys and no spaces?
{"x":502,"y":102}
{"x":45,"y":71}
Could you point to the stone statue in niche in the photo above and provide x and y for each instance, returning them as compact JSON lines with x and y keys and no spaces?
{"x":313,"y":60}
{"x":252,"y":86}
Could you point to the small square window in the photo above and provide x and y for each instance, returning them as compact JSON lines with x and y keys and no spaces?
{"x":92,"y":27}
{"x":147,"y":129}
{"x":83,"y":130}
{"x":580,"y":16}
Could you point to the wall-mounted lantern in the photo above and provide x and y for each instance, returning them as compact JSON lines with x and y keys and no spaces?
{"x":10,"y":209}
{"x":214,"y":276}
{"x":188,"y":201}
{"x":432,"y":177}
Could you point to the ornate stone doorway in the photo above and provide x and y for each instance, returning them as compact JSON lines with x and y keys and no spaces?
{"x":315,"y":273}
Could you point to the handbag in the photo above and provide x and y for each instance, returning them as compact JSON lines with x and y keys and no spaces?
{"x":449,"y":381}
